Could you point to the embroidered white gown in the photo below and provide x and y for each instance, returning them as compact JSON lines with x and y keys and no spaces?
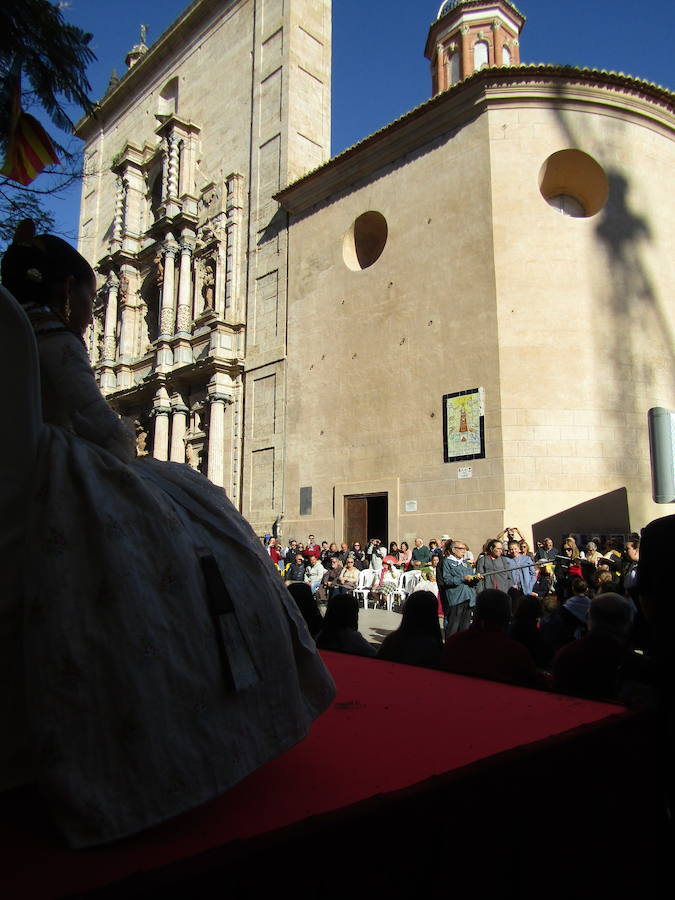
{"x":161,"y":658}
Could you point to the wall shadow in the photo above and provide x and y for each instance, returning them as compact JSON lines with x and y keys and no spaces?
{"x":606,"y":514}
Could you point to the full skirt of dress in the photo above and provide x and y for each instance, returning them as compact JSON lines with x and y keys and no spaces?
{"x":164,"y":659}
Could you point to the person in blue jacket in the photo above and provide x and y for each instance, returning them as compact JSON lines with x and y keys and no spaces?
{"x":458,"y":585}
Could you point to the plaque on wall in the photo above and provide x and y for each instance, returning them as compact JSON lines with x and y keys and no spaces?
{"x":463,"y":425}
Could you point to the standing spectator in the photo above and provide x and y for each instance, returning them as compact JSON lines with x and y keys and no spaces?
{"x":523,"y":571}
{"x":547,"y":551}
{"x":566,"y":570}
{"x":375,"y":553}
{"x":592,"y":555}
{"x":417,"y":641}
{"x":291,"y":553}
{"x":495,"y":570}
{"x":457,"y":586}
{"x":274,"y":551}
{"x":359,"y":555}
{"x":312,"y":548}
{"x":421,"y":556}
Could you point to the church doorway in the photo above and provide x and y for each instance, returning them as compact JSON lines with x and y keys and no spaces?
{"x":366,"y":516}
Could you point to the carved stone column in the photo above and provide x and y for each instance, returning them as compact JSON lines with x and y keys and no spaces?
{"x":216,"y":462}
{"x":110,"y":328}
{"x":126,"y":299}
{"x":167,"y":314}
{"x":179,"y":414}
{"x":183,"y":314}
{"x":161,"y":412}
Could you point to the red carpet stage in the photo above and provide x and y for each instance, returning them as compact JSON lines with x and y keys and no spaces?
{"x":415,"y":783}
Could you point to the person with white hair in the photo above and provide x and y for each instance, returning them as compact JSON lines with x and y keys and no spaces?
{"x":602,"y":663}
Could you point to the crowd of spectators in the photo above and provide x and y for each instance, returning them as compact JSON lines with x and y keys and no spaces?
{"x":566,"y":618}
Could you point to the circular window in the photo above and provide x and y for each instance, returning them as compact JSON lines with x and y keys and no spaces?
{"x":572,"y":182}
{"x":365,"y":240}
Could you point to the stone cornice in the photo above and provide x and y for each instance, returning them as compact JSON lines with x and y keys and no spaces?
{"x":517,"y":86}
{"x":168,"y":46}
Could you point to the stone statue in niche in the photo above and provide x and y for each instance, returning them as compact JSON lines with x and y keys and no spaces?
{"x":209,"y":286}
{"x":141,"y":438}
{"x":159,"y":266}
{"x":123,"y":288}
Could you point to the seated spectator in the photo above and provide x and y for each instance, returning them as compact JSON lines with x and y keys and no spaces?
{"x":404,"y":556}
{"x":555,"y":630}
{"x":485,"y":650}
{"x":385,"y":582}
{"x":341,"y":628}
{"x":394,"y":550}
{"x":296,"y":570}
{"x":343,"y":553}
{"x":329,"y":580}
{"x":602,"y":664}
{"x":428,"y":583}
{"x":525,"y":629}
{"x":306,"y":603}
{"x":314,"y":573}
{"x":348,"y":578}
{"x":576,"y":608}
{"x":421,"y":555}
{"x":417,"y":641}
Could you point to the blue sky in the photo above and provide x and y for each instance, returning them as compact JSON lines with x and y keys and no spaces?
{"x":379,"y":69}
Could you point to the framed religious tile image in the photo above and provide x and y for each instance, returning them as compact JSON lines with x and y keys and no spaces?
{"x":463,"y":425}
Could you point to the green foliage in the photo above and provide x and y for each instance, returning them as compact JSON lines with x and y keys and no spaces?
{"x":53,"y":55}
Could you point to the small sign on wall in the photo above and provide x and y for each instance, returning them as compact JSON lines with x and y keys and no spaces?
{"x":465,"y":472}
{"x":411,"y":505}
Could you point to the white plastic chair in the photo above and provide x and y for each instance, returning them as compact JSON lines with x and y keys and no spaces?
{"x":364,"y":585}
{"x":410,"y":581}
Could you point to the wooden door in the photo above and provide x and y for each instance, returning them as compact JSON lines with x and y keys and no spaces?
{"x":356,"y":520}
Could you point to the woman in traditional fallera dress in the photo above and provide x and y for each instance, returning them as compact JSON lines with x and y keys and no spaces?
{"x":160,"y":656}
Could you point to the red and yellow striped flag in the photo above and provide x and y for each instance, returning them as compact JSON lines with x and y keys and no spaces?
{"x":29,"y":149}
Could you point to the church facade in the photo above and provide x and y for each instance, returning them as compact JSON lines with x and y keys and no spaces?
{"x":495,"y":266}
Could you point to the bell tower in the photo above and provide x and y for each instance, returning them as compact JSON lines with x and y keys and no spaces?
{"x":469,"y":35}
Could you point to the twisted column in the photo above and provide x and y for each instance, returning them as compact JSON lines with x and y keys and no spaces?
{"x":118,"y":220}
{"x":173,"y":163}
